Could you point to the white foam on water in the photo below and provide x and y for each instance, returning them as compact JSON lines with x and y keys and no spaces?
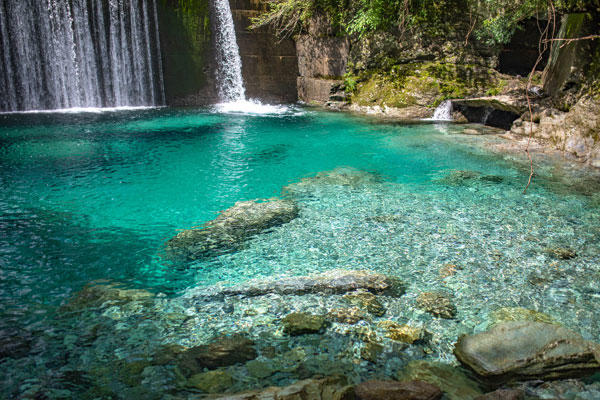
{"x":82,"y":110}
{"x":255,"y":107}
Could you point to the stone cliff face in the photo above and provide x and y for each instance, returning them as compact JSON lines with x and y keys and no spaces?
{"x":322,"y":62}
{"x":185,"y":35}
{"x":269,"y":65}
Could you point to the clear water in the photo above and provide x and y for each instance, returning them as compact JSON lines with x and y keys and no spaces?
{"x":95,"y":196}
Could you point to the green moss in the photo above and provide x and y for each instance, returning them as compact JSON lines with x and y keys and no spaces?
{"x":185,"y":41}
{"x":424,"y":84}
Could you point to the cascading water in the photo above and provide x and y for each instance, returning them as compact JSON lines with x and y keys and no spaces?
{"x":58,"y":54}
{"x":230,"y":85}
{"x":443,"y":112}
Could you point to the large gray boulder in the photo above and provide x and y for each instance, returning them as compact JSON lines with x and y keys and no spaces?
{"x":231,"y":228}
{"x":527,"y":350}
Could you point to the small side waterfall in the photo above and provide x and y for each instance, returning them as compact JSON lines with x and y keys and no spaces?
{"x":230,"y":85}
{"x":58,"y":54}
{"x":443,"y":112}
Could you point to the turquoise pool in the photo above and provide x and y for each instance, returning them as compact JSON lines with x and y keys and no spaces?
{"x":89,"y":197}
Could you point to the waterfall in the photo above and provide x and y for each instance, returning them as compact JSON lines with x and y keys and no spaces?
{"x":230,"y":85}
{"x":443,"y":112}
{"x":58,"y":54}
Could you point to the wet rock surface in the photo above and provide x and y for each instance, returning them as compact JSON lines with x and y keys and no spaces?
{"x":99,"y":293}
{"x":14,"y":343}
{"x":231,"y":228}
{"x":331,"y":388}
{"x":561,"y":253}
{"x":437,"y":304}
{"x":221,"y":352}
{"x":342,"y":176}
{"x":211,"y":381}
{"x":336,"y":281}
{"x":302,"y":323}
{"x":466,"y":177}
{"x":403,"y":333}
{"x":507,"y":314}
{"x":454,"y":382}
{"x":365,"y":300}
{"x":526,"y":350}
{"x":503,"y":394}
{"x":393,"y":390}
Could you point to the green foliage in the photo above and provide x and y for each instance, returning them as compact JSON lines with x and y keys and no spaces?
{"x":493,"y":21}
{"x":350,"y":82}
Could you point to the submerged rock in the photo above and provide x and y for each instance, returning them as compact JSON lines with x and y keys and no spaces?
{"x":436,"y":304}
{"x":231,"y":228}
{"x":562,"y":253}
{"x":349,"y":315}
{"x":393,"y":390}
{"x":365,"y":300}
{"x":14,"y":343}
{"x":371,"y":351}
{"x":466,"y":177}
{"x":403,"y":333}
{"x":503,"y":394}
{"x":526,"y":350}
{"x":448,"y":270}
{"x":302,"y":323}
{"x":341,"y":176}
{"x":221,"y":352}
{"x":454,"y":382}
{"x":100,"y":292}
{"x":337,"y":281}
{"x":507,"y":314}
{"x":330,"y":388}
{"x":211,"y":382}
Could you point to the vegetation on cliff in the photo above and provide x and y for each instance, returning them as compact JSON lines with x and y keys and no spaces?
{"x":492,"y":21}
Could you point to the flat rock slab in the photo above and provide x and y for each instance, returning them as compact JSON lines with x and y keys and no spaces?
{"x":341,"y":176}
{"x":394,"y":390}
{"x":329,"y":388}
{"x":231,"y":228}
{"x":336,"y":281}
{"x":527,"y":350}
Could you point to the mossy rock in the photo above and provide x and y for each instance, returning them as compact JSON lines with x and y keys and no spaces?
{"x":211,"y":382}
{"x":302,"y":323}
{"x":97,"y":293}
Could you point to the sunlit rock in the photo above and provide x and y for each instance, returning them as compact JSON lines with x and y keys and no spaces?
{"x":403,"y":333}
{"x":301,"y":323}
{"x":437,"y":304}
{"x":365,"y":300}
{"x":526,"y":350}
{"x":337,"y":281}
{"x":507,"y":314}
